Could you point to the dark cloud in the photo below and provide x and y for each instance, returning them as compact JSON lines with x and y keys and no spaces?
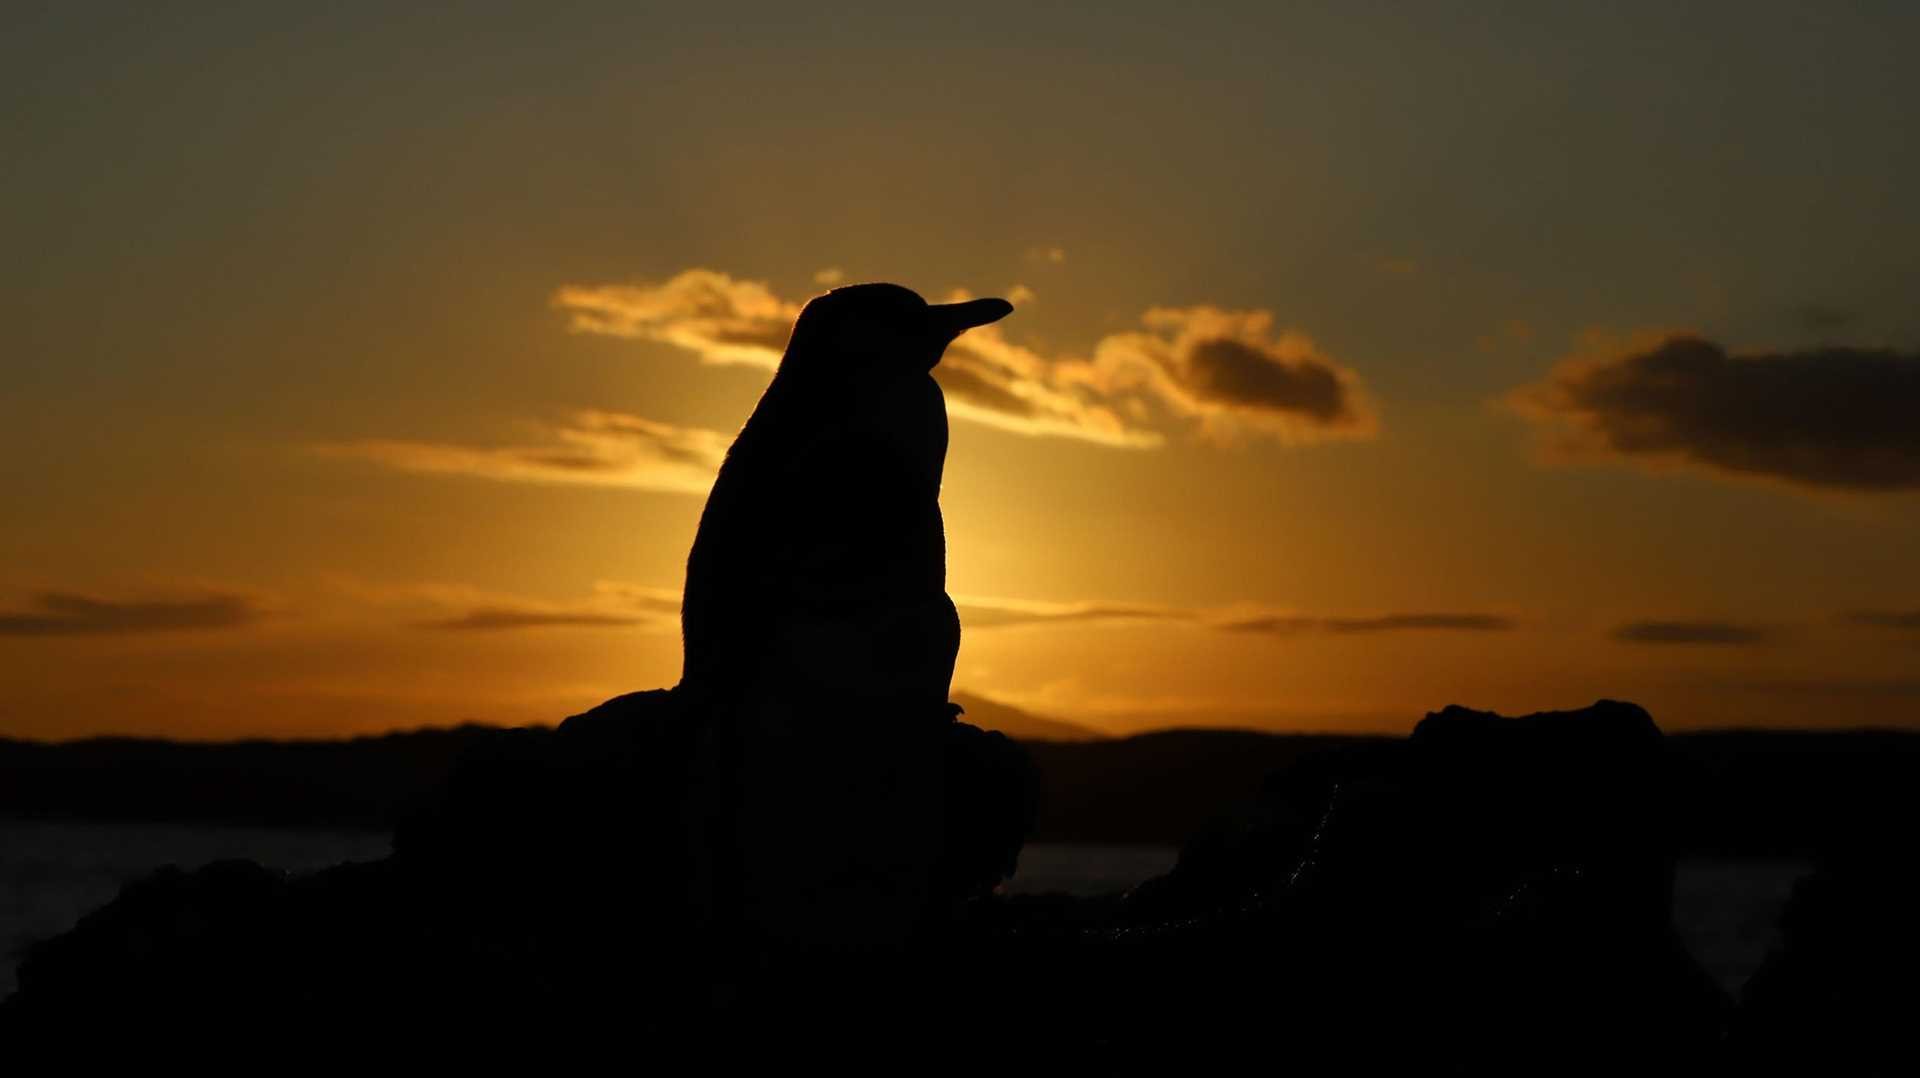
{"x":1289,"y":625}
{"x":1689,"y":632}
{"x":66,"y":614}
{"x":1225,"y":371}
{"x":1886,"y":619}
{"x":1232,"y":371}
{"x":491,"y":619}
{"x":967,"y":381}
{"x":1835,"y":418}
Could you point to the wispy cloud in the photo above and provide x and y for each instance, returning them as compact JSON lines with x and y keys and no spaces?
{"x":1294,"y":624}
{"x":983,"y":613}
{"x":613,"y":604}
{"x":1830,"y":418}
{"x":1719,"y":633}
{"x":494,"y":618}
{"x":714,"y":316}
{"x":987,"y":613}
{"x":1224,"y":372}
{"x":617,"y":603}
{"x":55,"y":613}
{"x":1908,"y":620}
{"x":602,"y":449}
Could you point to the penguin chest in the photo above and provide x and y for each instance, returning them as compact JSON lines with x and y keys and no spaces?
{"x":903,"y":653}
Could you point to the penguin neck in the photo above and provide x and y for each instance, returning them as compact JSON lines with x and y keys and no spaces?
{"x":788,"y":407}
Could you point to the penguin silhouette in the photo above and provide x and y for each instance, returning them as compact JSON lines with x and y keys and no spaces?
{"x":819,"y":637}
{"x":821,"y":554}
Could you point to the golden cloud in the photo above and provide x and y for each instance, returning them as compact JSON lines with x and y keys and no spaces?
{"x":602,"y":449}
{"x":1228,"y":372}
{"x":459,"y":607}
{"x":994,"y":613}
{"x":1232,"y":373}
{"x":989,"y":613}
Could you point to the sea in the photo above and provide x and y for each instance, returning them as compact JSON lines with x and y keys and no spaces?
{"x":54,"y":872}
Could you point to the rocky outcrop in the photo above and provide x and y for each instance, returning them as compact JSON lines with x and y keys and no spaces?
{"x":1500,"y":886}
{"x":556,"y":874}
{"x":1488,"y":896}
{"x":1837,"y":994}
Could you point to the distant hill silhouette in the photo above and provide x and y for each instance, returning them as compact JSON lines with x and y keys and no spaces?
{"x":1020,"y":725}
{"x":1743,"y":792}
{"x":1165,"y":786}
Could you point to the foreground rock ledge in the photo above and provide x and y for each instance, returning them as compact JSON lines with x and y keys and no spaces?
{"x":1488,"y":895}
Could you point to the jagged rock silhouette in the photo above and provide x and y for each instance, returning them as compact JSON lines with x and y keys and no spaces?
{"x":1837,"y":993}
{"x":554,"y":879}
{"x":1489,"y":895}
{"x":1484,"y":895}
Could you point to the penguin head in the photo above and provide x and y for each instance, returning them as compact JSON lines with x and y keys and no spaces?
{"x":876,"y":331}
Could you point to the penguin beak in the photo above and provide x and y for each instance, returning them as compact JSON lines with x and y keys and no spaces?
{"x":949,"y":320}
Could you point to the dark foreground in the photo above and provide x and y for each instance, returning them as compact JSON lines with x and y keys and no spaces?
{"x":1488,"y":895}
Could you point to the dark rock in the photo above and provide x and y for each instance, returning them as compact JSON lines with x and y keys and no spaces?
{"x":169,"y":937}
{"x":1485,"y":897}
{"x":991,"y":802}
{"x":557,"y":875}
{"x":1837,"y":994}
{"x":1493,"y":889}
{"x":1513,"y":798}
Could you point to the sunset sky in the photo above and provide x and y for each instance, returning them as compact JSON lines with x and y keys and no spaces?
{"x":365,"y":366}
